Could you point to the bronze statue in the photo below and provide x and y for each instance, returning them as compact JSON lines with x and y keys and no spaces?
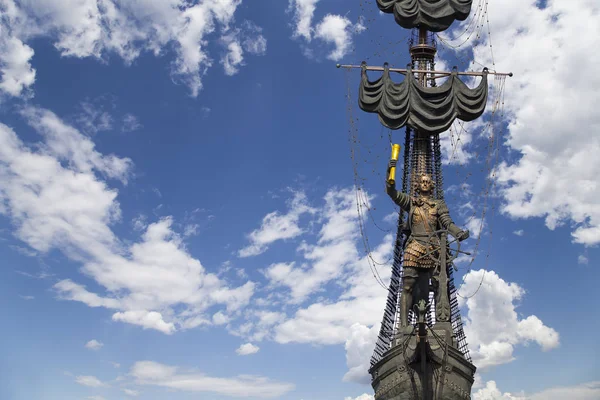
{"x":428,"y":218}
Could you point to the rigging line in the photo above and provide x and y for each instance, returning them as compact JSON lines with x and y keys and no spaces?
{"x":490,"y":38}
{"x":475,"y":26}
{"x":497,"y":93}
{"x":359,"y":179}
{"x":471,"y":21}
{"x":502,"y":86}
{"x":352,"y":131}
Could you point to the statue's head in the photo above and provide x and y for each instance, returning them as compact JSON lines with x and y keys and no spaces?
{"x":424,"y":184}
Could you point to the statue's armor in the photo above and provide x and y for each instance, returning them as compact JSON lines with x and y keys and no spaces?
{"x":423,"y":221}
{"x":425,"y":216}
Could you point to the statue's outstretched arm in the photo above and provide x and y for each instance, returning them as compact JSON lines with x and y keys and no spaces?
{"x":402,"y":199}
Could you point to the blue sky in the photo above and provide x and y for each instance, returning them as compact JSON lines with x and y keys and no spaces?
{"x":178,"y":215}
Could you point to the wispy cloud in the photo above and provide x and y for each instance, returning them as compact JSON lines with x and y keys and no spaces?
{"x":155,"y":374}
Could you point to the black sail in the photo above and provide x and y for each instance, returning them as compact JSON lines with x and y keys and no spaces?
{"x":433,"y":15}
{"x":427,"y":109}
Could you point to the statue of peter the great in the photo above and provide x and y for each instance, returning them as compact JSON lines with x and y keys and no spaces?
{"x":426,"y":216}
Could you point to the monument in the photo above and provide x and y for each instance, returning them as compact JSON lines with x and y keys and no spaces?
{"x":421,"y":351}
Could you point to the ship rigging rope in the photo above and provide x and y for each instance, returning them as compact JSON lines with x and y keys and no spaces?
{"x":473,"y":26}
{"x":358,"y":189}
{"x":362,"y":200}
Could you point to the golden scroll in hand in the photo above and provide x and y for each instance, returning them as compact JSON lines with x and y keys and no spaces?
{"x":395,"y":155}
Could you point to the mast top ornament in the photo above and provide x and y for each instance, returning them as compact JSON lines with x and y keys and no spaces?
{"x":432,"y":15}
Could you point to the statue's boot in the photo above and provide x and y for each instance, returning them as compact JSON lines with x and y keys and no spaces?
{"x":405,"y":303}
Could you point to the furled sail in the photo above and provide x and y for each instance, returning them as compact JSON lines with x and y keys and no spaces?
{"x":433,"y":15}
{"x":428,"y":109}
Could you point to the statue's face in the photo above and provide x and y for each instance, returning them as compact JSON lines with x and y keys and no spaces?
{"x":425,"y":184}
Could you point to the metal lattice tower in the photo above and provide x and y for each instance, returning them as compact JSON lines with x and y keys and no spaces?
{"x":422,"y":154}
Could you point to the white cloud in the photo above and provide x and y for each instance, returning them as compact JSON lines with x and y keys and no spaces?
{"x":56,"y":197}
{"x":349,"y":318}
{"x":247,"y":39}
{"x":554,"y":165}
{"x":90,"y":381}
{"x":130,"y":123}
{"x":583,"y":260}
{"x":220,"y":319}
{"x":336,"y":30}
{"x":391,"y":218}
{"x":95,"y":398}
{"x":94,"y":345}
{"x":475,"y":225}
{"x":103,"y":28}
{"x":27,"y":297}
{"x":359,"y":349}
{"x":520,"y":232}
{"x":145,"y":319}
{"x":586,"y":391}
{"x":234,"y":56}
{"x":334,"y":252}
{"x":304,"y":11}
{"x":247,"y":349}
{"x":364,"y":396}
{"x":140,"y":223}
{"x":152,"y":373}
{"x":131,"y":392}
{"x":17,"y":74}
{"x":276,"y":226}
{"x":66,"y":143}
{"x":94,"y":118}
{"x":491,"y":392}
{"x":190,"y":230}
{"x":492,"y":324}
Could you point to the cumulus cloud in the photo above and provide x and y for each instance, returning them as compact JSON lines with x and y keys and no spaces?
{"x":103,"y":28}
{"x":249,"y":39}
{"x":17,"y":74}
{"x":90,"y":381}
{"x":155,"y":374}
{"x":131,"y":392}
{"x":553,"y":168}
{"x":334,"y":252}
{"x":336,"y":30}
{"x":491,"y":392}
{"x":276,"y":226}
{"x":304,"y":11}
{"x":247,"y":349}
{"x":333,"y":260}
{"x":364,"y":396}
{"x":58,"y":197}
{"x":145,"y":319}
{"x":586,"y":391}
{"x":492,"y":323}
{"x":94,"y":345}
{"x":359,"y":349}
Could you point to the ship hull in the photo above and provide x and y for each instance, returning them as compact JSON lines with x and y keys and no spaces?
{"x":400,"y":374}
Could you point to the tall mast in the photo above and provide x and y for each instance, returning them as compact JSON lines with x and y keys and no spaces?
{"x":432,"y":361}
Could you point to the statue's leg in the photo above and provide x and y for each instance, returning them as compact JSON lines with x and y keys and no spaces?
{"x":409,"y":279}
